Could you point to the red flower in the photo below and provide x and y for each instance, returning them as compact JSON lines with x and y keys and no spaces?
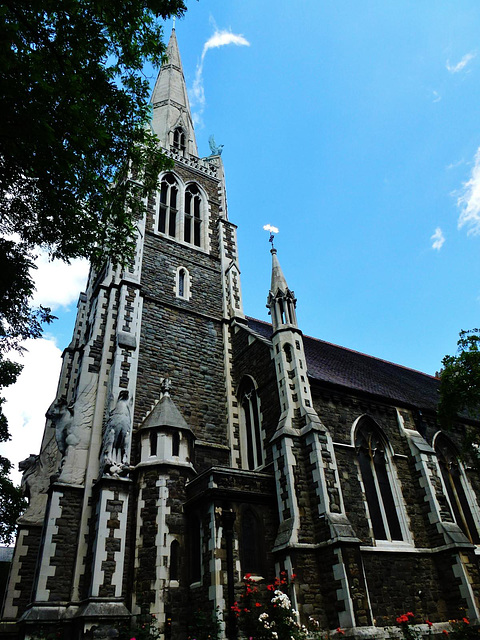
{"x":270,"y":587}
{"x":340,"y":631}
{"x":430,"y":624}
{"x":445,"y":632}
{"x":293,"y":576}
{"x":257,"y":604}
{"x":409,"y":614}
{"x":466,"y":621}
{"x":403,"y":618}
{"x":247,"y":576}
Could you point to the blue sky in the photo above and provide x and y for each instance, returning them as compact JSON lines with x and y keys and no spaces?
{"x":354,"y":128}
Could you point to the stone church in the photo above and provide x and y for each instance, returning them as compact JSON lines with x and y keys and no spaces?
{"x":190,"y":444}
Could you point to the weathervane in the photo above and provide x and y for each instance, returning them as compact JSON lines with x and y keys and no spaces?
{"x":273,"y":230}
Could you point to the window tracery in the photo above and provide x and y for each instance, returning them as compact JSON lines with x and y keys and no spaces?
{"x":252,"y":445}
{"x":374,"y":462}
{"x":456,"y":487}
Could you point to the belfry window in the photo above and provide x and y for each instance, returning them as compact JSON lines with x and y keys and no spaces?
{"x":252,"y":446}
{"x":182,"y":283}
{"x":179,"y":139}
{"x":193,"y":219}
{"x":167,"y":222}
{"x":375,"y":469}
{"x":456,"y":486}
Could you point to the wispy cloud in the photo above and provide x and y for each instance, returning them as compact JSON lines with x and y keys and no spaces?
{"x":456,"y":68}
{"x":436,"y":96}
{"x":220,"y":38}
{"x":438,"y":239}
{"x":469,"y":200}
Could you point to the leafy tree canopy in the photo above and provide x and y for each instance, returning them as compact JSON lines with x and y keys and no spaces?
{"x":460,"y":380}
{"x":75,"y":118}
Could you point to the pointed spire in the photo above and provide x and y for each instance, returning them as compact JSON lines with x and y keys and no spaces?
{"x":281,"y":300}
{"x":278,"y":279}
{"x":171,"y":108}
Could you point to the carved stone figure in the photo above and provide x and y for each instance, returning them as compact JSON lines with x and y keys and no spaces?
{"x":216,"y":149}
{"x":116,"y":438}
{"x":34,"y":485}
{"x":73,"y":425}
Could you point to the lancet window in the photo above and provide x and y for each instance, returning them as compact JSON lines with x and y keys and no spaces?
{"x":182,"y":211}
{"x":167,"y":222}
{"x":179,"y":139}
{"x":252,"y":445}
{"x":193,"y":217}
{"x":456,"y":487}
{"x":251,"y":549}
{"x":378,"y":481}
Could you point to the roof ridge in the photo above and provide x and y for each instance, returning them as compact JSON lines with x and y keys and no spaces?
{"x":366,"y":355}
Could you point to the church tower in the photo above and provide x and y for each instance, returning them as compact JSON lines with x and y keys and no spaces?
{"x":114,"y":528}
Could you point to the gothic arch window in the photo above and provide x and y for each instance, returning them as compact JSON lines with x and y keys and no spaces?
{"x":179,"y":139}
{"x":251,"y":432}
{"x":192,"y":225}
{"x":182,"y":283}
{"x":167,"y":219}
{"x":252,"y":536}
{"x":378,"y":479}
{"x":195,"y":537}
{"x":456,"y":487}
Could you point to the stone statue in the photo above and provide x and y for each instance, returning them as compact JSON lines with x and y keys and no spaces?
{"x":73,"y":425}
{"x":214,"y":148}
{"x":34,"y":485}
{"x":116,"y":438}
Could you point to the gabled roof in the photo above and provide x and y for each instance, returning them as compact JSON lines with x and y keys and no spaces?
{"x":352,"y":370}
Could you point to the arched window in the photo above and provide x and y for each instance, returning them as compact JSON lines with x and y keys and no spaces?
{"x":456,"y":485}
{"x":179,"y":139}
{"x":195,"y":538}
{"x":182,"y":283}
{"x":374,"y":462}
{"x":167,"y":220}
{"x":153,"y":443}
{"x":174,"y":560}
{"x":193,"y":219}
{"x":252,"y":537}
{"x":175,"y":443}
{"x":252,"y":445}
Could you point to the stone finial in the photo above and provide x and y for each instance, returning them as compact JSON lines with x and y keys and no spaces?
{"x":165,"y":386}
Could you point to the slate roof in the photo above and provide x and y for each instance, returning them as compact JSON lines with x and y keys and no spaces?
{"x":329,"y":363}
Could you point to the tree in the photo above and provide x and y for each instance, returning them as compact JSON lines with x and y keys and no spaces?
{"x":75,"y":121}
{"x":460,"y":388}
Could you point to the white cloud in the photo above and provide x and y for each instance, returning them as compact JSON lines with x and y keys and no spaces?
{"x":220,"y":38}
{"x":57,"y":283}
{"x":456,"y":68}
{"x":469,"y":200}
{"x":438,"y":239}
{"x":436,"y":96}
{"x":269,"y":227}
{"x":29,"y":398}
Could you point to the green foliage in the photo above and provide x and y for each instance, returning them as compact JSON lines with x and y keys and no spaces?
{"x":204,"y":626}
{"x":144,"y":628}
{"x":75,"y":117}
{"x":460,"y":380}
{"x":271,"y":617}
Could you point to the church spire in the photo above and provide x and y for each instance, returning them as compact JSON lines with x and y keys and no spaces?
{"x":281,"y":300}
{"x":172,"y":119}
